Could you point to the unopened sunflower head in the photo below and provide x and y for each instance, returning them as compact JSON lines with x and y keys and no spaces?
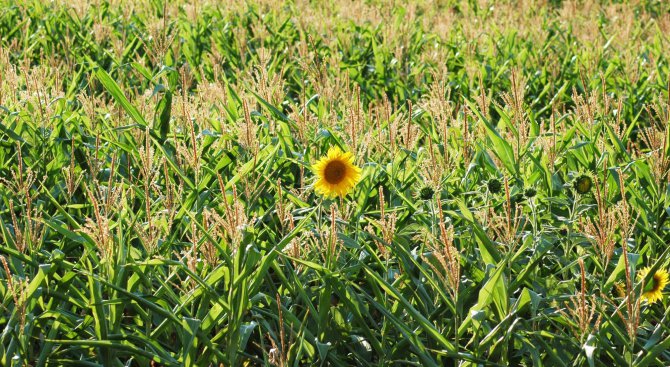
{"x":494,"y":185}
{"x":583,"y":183}
{"x":653,"y":289}
{"x":426,"y":193}
{"x":336,"y":173}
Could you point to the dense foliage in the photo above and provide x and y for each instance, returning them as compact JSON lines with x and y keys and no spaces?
{"x":157,"y":189}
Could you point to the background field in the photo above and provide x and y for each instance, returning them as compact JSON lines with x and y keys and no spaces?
{"x":156,"y":192}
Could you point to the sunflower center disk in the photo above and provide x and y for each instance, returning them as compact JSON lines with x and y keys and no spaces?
{"x":335,"y":172}
{"x":656,"y":280}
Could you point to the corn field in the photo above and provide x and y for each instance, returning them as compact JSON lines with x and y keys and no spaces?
{"x":334,"y":183}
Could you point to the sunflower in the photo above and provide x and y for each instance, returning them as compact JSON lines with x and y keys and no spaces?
{"x":619,"y":289}
{"x":583,"y":184}
{"x":336,"y":173}
{"x":426,"y":193}
{"x":654,"y":290}
{"x":494,"y":186}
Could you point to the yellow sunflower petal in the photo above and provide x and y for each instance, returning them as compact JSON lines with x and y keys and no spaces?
{"x":653,"y":291}
{"x":336,"y":173}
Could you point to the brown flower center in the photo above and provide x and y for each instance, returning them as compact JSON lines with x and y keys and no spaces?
{"x":335,"y":172}
{"x":656,"y":281}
